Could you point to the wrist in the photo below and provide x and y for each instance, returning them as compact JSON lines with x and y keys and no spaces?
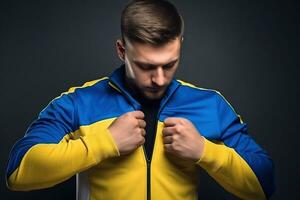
{"x":200,"y":149}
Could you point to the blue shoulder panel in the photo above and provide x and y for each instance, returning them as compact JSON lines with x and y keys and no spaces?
{"x":215,"y":119}
{"x":65,"y":114}
{"x":100,"y":102}
{"x":52,"y":124}
{"x":196,"y":105}
{"x":234,"y":134}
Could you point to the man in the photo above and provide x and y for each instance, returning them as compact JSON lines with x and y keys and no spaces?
{"x":140,"y":133}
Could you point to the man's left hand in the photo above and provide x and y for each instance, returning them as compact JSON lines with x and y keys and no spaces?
{"x":182,"y":139}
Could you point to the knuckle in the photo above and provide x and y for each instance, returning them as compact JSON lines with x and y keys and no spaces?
{"x":135,"y":122}
{"x":177,"y":129}
{"x":136,"y":131}
{"x":141,"y":132}
{"x":182,"y":121}
{"x":126,"y":116}
{"x":164,"y":133}
{"x":141,"y":123}
{"x":175,"y":138}
{"x":174,"y":146}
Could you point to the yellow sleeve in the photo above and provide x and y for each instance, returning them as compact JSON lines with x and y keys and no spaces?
{"x":45,"y":165}
{"x":230,"y":170}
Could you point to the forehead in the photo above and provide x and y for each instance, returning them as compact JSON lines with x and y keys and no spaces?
{"x":154,"y":54}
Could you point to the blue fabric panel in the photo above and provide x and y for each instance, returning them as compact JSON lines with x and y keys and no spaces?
{"x":196,"y":105}
{"x":52,"y":124}
{"x":235,"y":135}
{"x":100,"y":102}
{"x":66,"y":114}
{"x":215,"y":119}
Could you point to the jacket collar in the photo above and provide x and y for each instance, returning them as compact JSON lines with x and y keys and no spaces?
{"x":116,"y":81}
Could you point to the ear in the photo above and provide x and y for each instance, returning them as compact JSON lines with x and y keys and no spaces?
{"x":120,"y":49}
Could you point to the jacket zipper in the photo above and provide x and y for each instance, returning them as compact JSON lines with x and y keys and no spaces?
{"x":148,"y":190}
{"x":148,"y":161}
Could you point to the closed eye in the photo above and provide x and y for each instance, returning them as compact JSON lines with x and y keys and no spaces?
{"x":169,"y":65}
{"x":148,"y":66}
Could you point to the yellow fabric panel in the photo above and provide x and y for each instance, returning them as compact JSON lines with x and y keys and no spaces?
{"x":172,"y":178}
{"x":230,"y":170}
{"x":45,"y":165}
{"x":119,"y":177}
{"x":126,"y":176}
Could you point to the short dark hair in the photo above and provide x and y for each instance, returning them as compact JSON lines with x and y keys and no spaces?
{"x":154,"y":22}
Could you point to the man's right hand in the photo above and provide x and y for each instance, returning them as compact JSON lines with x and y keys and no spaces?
{"x":128,"y":131}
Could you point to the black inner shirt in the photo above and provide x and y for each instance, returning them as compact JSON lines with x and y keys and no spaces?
{"x":150,"y":110}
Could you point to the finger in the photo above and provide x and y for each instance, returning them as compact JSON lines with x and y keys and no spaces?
{"x":143,"y":132}
{"x":171,"y":121}
{"x":167,"y":131}
{"x":138,"y":114}
{"x":168,"y":147}
{"x":142,"y":123}
{"x":142,"y":141}
{"x":168,"y":140}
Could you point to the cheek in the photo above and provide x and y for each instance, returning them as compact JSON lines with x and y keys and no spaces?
{"x":142,"y":79}
{"x":170,"y":75}
{"x":138,"y":77}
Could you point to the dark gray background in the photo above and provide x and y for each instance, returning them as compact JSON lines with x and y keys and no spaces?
{"x":248,"y":50}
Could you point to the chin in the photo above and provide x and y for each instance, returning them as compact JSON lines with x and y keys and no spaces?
{"x":153,"y":96}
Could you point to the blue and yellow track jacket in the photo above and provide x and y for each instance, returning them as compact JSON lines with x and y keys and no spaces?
{"x":70,"y":136}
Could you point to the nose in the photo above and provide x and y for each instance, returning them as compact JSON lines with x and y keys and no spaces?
{"x":158,"y":77}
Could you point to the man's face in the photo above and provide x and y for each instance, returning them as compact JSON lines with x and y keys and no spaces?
{"x":150,"y":69}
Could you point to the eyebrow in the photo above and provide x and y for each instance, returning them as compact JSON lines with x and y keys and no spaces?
{"x":150,"y":65}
